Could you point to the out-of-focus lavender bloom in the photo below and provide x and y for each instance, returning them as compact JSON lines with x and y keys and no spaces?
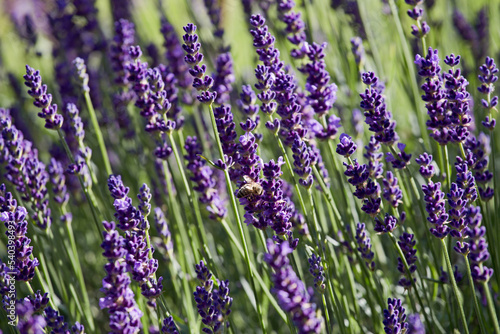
{"x":407,"y":244}
{"x":297,"y":219}
{"x":83,"y":152}
{"x":374,"y":156}
{"x":37,"y":90}
{"x":164,"y":245}
{"x":265,"y":82}
{"x":246,"y":102}
{"x":29,"y":321}
{"x":55,"y":321}
{"x":58,"y":181}
{"x":358,"y":51}
{"x":346,"y":147}
{"x":464,"y":28}
{"x":415,"y":325}
{"x":214,"y":305}
{"x":295,"y":26}
{"x":169,"y":326}
{"x":78,"y":328}
{"x":127,"y":215}
{"x":357,"y":122}
{"x":378,"y":118}
{"x":477,"y":35}
{"x":456,"y":273}
{"x":401,"y":159}
{"x":175,"y":58}
{"x":124,"y":315}
{"x":416,"y":13}
{"x":365,"y":246}
{"x":223,"y":77}
{"x":488,"y":77}
{"x":391,"y":192}
{"x":292,"y":295}
{"x":395,"y":317}
{"x":14,"y":219}
{"x":81,"y":72}
{"x":478,"y":246}
{"x":227,"y":134}
{"x":204,"y":179}
{"x":214,"y":13}
{"x":426,"y":168}
{"x":318,"y":272}
{"x":201,"y":82}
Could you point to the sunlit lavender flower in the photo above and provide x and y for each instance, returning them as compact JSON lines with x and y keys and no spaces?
{"x":488,"y":77}
{"x":407,"y":244}
{"x":204,"y":179}
{"x":435,"y":207}
{"x":247,"y":103}
{"x":292,"y":295}
{"x":223,"y":77}
{"x":374,"y":157}
{"x":201,"y":81}
{"x":481,"y":149}
{"x":297,"y":219}
{"x":227,"y":134}
{"x":365,"y":246}
{"x":426,"y":168}
{"x":124,"y":315}
{"x":33,"y":80}
{"x":386,"y":225}
{"x":395,"y":317}
{"x":401,"y":159}
{"x":14,"y":219}
{"x":214,"y":305}
{"x":29,"y":321}
{"x":318,"y":272}
{"x":39,"y":300}
{"x":81,"y":72}
{"x":303,"y":160}
{"x":144,"y":197}
{"x":83,"y":152}
{"x":391,"y":192}
{"x":346,"y":147}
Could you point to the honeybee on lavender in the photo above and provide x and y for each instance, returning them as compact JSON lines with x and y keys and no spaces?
{"x":250,"y":188}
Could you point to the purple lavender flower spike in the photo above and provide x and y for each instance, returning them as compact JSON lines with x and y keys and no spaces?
{"x":214,"y":305}
{"x":416,"y":13}
{"x":378,"y":118}
{"x":478,"y":246}
{"x":375,"y":166}
{"x":33,"y":80}
{"x":201,"y":82}
{"x":365,"y":246}
{"x":124,"y":315}
{"x":120,"y":58}
{"x":435,"y":207}
{"x":481,"y":149}
{"x":227,"y":134}
{"x":388,"y":224}
{"x":395,"y":317}
{"x":14,"y":219}
{"x":318,"y":272}
{"x":247,"y":104}
{"x":407,"y":244}
{"x":488,"y":77}
{"x":144,"y":197}
{"x":401,"y":160}
{"x":58,"y":181}
{"x":169,"y":326}
{"x":292,"y":295}
{"x":426,"y":168}
{"x":39,"y":300}
{"x":295,"y":26}
{"x":204,"y":179}
{"x":29,"y":321}
{"x":78,"y":328}
{"x":165,"y":244}
{"x":331,"y":129}
{"x":223,"y":77}
{"x":346,"y":147}
{"x":55,"y":321}
{"x":391,"y":192}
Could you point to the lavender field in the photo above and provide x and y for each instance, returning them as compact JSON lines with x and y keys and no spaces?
{"x":249,"y":166}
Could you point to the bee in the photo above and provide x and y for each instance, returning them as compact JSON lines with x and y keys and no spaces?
{"x":250,"y":188}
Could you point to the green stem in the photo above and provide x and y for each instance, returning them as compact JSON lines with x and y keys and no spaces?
{"x":98,"y":134}
{"x":491,"y":307}
{"x":456,"y":292}
{"x":473,"y":292}
{"x":238,"y":220}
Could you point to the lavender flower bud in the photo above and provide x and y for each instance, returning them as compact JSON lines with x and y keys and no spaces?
{"x":395,"y":317}
{"x":358,"y":51}
{"x":392,"y":193}
{"x":317,"y":271}
{"x":346,"y":147}
{"x":29,"y":321}
{"x":365,"y":246}
{"x":426,"y":168}
{"x":407,"y":244}
{"x":223,"y":77}
{"x":169,"y":326}
{"x":81,"y":72}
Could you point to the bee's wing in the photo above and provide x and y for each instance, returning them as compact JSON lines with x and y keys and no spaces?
{"x":247,"y":179}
